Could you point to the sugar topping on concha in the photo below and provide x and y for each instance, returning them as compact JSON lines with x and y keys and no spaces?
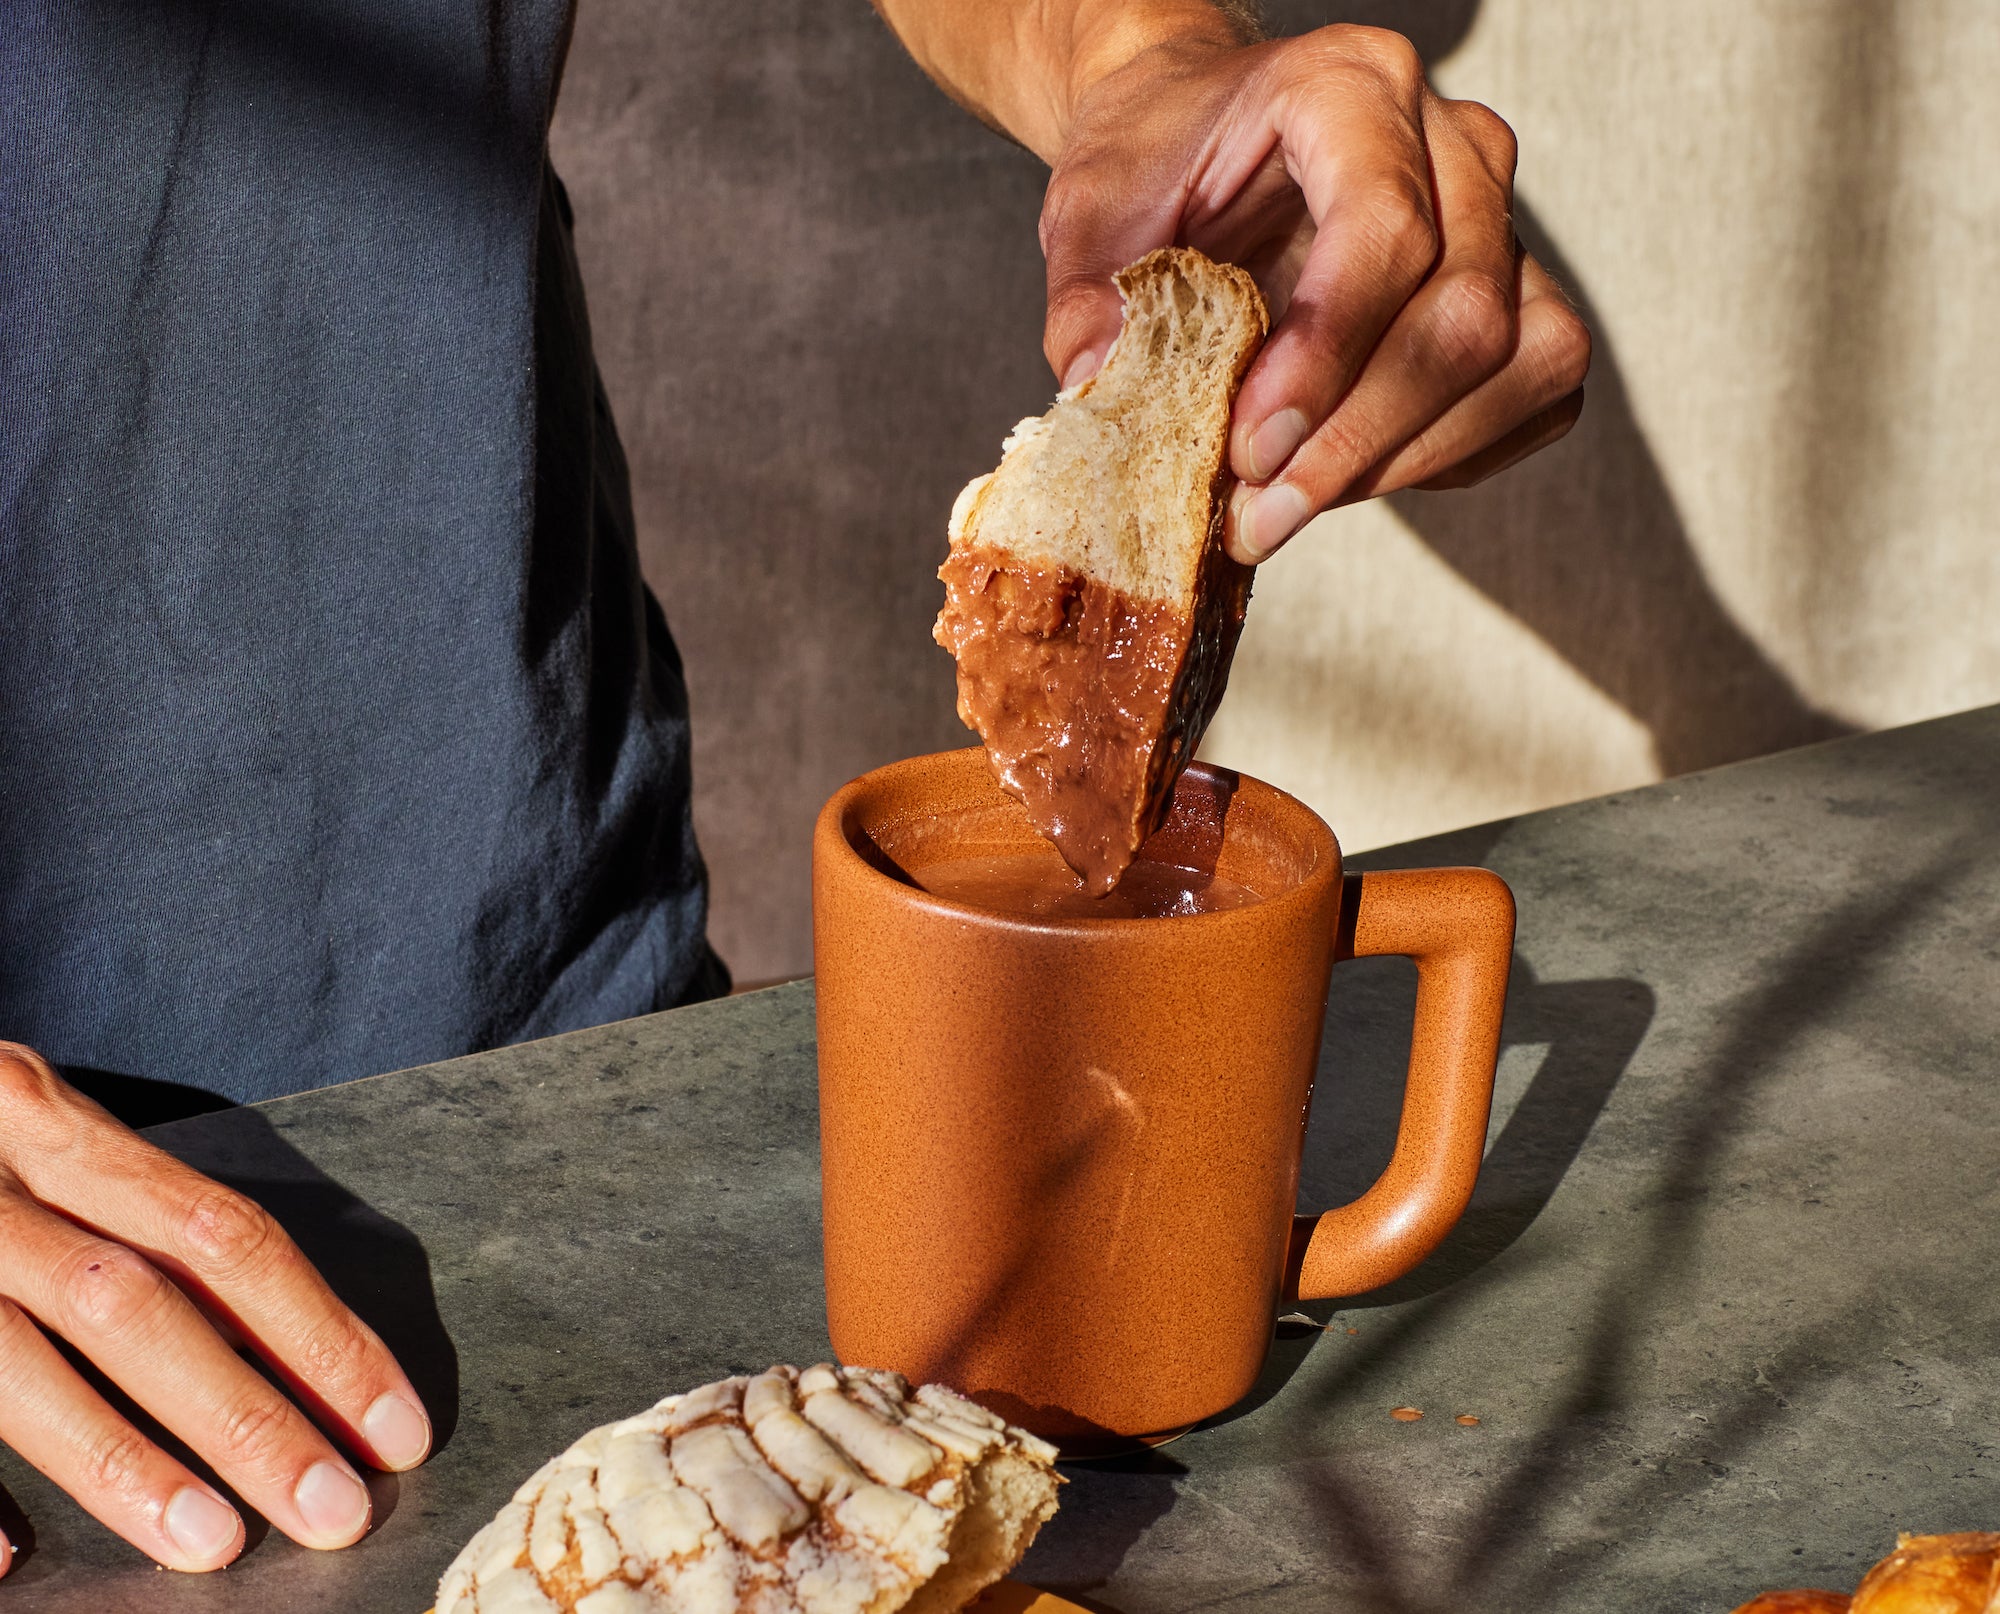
{"x":832,"y":1491}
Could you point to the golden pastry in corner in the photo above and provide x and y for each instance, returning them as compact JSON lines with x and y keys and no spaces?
{"x":1954,"y":1574}
{"x":1800,"y":1602}
{"x":1949,"y":1574}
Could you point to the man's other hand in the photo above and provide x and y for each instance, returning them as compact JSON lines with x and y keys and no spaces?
{"x":149,"y":1270}
{"x":1414,"y":343}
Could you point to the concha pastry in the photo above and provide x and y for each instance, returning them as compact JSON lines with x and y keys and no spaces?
{"x":1954,"y":1574}
{"x":1949,"y":1574}
{"x":832,"y":1491}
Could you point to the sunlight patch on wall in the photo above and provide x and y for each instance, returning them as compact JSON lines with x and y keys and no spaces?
{"x":1410,"y":703}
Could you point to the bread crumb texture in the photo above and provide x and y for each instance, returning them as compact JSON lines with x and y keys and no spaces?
{"x":1121,"y":479}
{"x":832,"y":1491}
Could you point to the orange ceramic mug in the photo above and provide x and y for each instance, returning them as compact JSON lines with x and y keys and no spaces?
{"x":1060,"y":1156}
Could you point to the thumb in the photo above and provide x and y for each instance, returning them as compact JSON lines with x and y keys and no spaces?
{"x":1092,"y":226}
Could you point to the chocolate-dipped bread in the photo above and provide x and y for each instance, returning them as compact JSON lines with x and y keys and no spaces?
{"x":1088,"y":599}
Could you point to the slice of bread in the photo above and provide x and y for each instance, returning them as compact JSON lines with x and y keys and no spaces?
{"x":1088,"y":600}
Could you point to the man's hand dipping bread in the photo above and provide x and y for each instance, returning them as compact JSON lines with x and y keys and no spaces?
{"x":1414,"y":343}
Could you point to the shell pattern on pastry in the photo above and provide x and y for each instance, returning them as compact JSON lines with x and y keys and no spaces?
{"x":832,"y":1491}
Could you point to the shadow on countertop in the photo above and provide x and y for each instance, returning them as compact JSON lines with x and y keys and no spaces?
{"x":1590,"y":1031}
{"x":1791,"y":996}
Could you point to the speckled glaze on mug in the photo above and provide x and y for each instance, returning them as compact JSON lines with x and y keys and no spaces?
{"x":1060,"y":1156}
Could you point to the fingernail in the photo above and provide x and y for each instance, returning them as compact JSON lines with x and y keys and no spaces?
{"x":399,"y":1433}
{"x":200,"y":1525}
{"x":1274,"y":442}
{"x":332,"y":1503}
{"x":1271,"y":516}
{"x":1081,"y":369}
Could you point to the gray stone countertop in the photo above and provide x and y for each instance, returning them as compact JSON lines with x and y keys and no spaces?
{"x":1727,"y":1302}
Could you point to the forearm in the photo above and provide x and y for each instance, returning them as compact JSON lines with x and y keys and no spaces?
{"x":1019,"y":65}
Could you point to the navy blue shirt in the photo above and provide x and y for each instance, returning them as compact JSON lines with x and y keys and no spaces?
{"x":338,"y":731}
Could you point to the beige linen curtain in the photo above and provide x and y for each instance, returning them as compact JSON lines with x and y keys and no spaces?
{"x":1780,"y":516}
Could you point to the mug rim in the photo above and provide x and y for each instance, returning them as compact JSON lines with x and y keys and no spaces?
{"x":834,"y":817}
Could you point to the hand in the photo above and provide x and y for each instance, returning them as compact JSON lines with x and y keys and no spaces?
{"x":127,"y":1254}
{"x":1414,"y":345}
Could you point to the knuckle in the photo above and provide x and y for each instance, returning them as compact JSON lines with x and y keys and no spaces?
{"x":1409,"y":236}
{"x":40,"y":1109}
{"x":25,"y":1077}
{"x":1491,"y":135}
{"x":1071,"y":297}
{"x":108,"y":1289}
{"x":1566,"y":351}
{"x":1474,"y":322}
{"x":1056,"y":208}
{"x":335,"y":1351}
{"x":1339,"y":451}
{"x":226,"y":1232}
{"x":256,"y":1431}
{"x":1393,"y":225}
{"x":1388,"y":53}
{"x":1071,"y":197}
{"x":111,"y":1463}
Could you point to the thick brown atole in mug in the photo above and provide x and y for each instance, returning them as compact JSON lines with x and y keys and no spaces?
{"x":1060,"y":1156}
{"x":1040,"y":885}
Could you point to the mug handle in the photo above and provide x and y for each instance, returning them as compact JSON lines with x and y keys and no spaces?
{"x":1458,"y":926}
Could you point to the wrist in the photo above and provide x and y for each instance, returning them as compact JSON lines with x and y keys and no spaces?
{"x":1108,"y":36}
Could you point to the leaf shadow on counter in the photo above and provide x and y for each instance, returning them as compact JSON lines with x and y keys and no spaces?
{"x":1590,"y":1030}
{"x":1109,"y":1506}
{"x":1501,"y":1556}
